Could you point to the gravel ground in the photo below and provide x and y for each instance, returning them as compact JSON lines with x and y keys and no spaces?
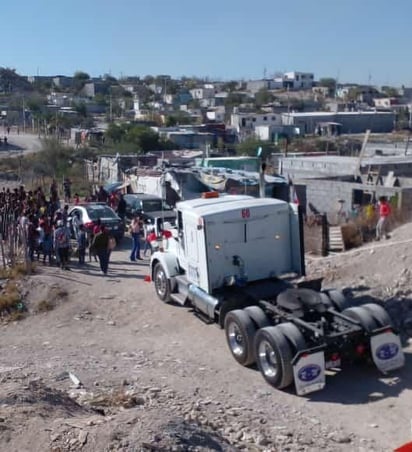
{"x":110,"y":367}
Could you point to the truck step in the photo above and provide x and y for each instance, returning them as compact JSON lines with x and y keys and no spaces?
{"x":178,"y":298}
{"x":204,"y":318}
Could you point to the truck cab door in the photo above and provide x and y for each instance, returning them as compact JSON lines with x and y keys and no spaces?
{"x":181,"y":248}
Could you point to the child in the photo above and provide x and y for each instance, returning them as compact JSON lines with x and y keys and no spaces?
{"x":151,"y":237}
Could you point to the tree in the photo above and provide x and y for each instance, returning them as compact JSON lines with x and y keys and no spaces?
{"x":35,"y":103}
{"x":170,"y":121}
{"x":11,"y":81}
{"x":262,"y":97}
{"x":79,"y":80}
{"x":110,"y":79}
{"x":80,"y":75}
{"x":234,"y":99}
{"x":190,"y":83}
{"x":115,"y":132}
{"x":148,"y":80}
{"x":100,"y":99}
{"x":354,"y":93}
{"x":230,"y":86}
{"x":390,"y":91}
{"x":251,"y":145}
{"x":179,"y":117}
{"x":329,"y":82}
{"x":143,"y":137}
{"x":81,"y":109}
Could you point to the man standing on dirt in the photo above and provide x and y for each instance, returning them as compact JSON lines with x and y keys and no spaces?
{"x":100,"y":246}
{"x":62,"y":244}
{"x":384,"y":213}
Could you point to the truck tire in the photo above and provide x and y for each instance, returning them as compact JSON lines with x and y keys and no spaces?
{"x":326,"y":300}
{"x":274,"y":356}
{"x":379,"y":314}
{"x":293,"y":335}
{"x":230,"y":304}
{"x":363,"y":316}
{"x":240,"y":333}
{"x":162,"y":283}
{"x":338,"y":299}
{"x":258,"y":316}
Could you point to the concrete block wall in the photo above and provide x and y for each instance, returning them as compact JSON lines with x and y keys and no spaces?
{"x":405,"y":198}
{"x":376,"y":122}
{"x":324,"y":195}
{"x":297,"y":168}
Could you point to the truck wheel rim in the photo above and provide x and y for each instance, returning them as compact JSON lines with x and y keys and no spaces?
{"x":161,"y":282}
{"x":236,"y":341}
{"x":267,"y":359}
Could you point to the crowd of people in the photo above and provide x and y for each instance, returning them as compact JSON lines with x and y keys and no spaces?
{"x":38,"y":222}
{"x":375,"y":216}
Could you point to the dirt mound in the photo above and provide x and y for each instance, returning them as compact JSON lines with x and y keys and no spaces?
{"x":377,"y":272}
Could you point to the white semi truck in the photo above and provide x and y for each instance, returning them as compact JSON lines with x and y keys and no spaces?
{"x":233,"y":259}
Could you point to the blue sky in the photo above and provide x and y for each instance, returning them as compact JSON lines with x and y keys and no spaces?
{"x":352,"y":40}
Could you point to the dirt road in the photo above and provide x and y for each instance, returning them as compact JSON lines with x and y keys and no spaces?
{"x":20,"y":144}
{"x":154,"y":377}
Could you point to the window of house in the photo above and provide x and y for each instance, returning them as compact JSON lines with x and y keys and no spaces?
{"x":273,"y":118}
{"x":254,"y":119}
{"x":265,"y":118}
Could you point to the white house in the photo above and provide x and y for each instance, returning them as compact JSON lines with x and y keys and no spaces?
{"x":298,"y":80}
{"x":385,"y":102}
{"x":139,"y":113}
{"x":206,"y":92}
{"x":59,"y":99}
{"x":246,"y":122}
{"x":216,"y":114}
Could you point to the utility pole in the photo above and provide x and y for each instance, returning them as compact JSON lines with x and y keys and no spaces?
{"x":111,"y":106}
{"x":24,"y":117}
{"x":55,"y":128}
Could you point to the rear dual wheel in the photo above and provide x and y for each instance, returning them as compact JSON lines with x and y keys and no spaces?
{"x":250,"y":340}
{"x":240,"y":332}
{"x":275,"y":347}
{"x":240,"y":328}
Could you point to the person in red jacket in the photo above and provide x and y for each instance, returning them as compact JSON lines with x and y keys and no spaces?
{"x":384,"y":213}
{"x":151,"y":238}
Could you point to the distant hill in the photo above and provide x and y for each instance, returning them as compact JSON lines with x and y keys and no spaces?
{"x":11,"y":82}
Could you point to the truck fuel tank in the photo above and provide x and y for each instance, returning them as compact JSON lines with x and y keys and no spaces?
{"x":202,"y":301}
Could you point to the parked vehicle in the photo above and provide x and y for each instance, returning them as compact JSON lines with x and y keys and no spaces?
{"x":89,"y":213}
{"x":152,"y":210}
{"x":230,"y":258}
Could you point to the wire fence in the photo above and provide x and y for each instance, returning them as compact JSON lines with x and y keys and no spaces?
{"x":13,"y":242}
